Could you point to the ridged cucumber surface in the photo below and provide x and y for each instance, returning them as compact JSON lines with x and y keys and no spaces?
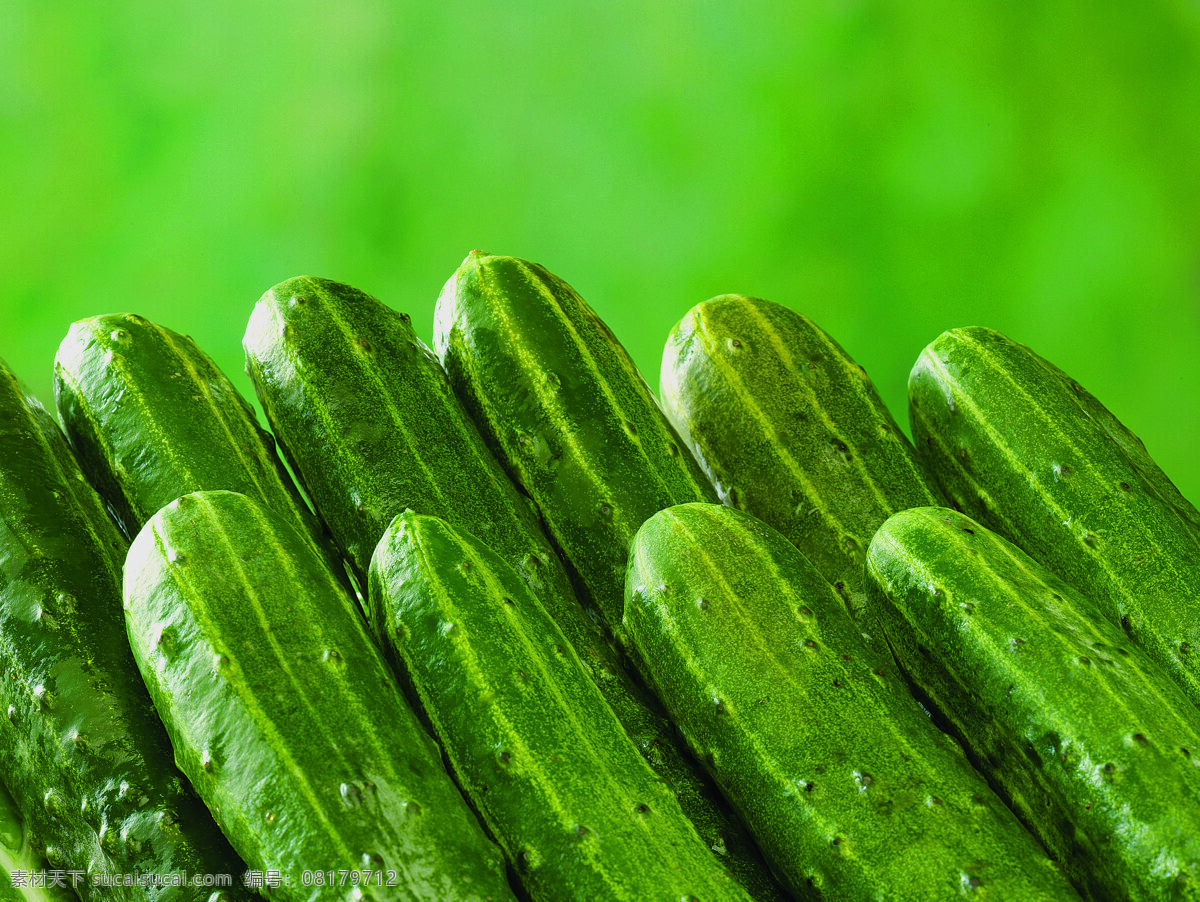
{"x":579,"y":813}
{"x":283,"y":713}
{"x":563,"y":407}
{"x":81,"y":746}
{"x":790,"y":429}
{"x":1091,"y":743}
{"x":151,"y":417}
{"x":851,"y":791}
{"x":1021,"y":447}
{"x":364,"y":412}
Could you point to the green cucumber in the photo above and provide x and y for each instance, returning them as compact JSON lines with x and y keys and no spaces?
{"x":24,"y":874}
{"x":579,"y":813}
{"x":563,"y":407}
{"x":81,"y":746}
{"x":790,"y":429}
{"x":851,"y":791}
{"x":1090,"y":742}
{"x":151,"y":417}
{"x":1020,"y":446}
{"x":364,"y":413}
{"x":283,"y":714}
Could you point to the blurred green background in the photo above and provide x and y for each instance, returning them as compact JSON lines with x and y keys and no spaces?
{"x":890,"y":169}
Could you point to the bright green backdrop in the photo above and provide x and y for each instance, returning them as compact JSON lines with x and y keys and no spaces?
{"x":891,"y":169}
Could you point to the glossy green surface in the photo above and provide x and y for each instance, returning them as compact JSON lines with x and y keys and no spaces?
{"x":850,"y":790}
{"x":1090,"y":742}
{"x":1023,"y":448}
{"x":790,"y":429}
{"x":562,"y":406}
{"x":151,"y":417}
{"x":529,"y":737}
{"x":364,"y":413}
{"x":18,"y":860}
{"x":81,"y":746}
{"x":283,"y":714}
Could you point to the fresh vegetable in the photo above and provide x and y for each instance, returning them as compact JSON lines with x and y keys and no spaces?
{"x":364,"y":412}
{"x":81,"y":747}
{"x":151,"y":417}
{"x":565,"y":410}
{"x":790,"y":429}
{"x":528,"y":735}
{"x":1021,"y":447}
{"x":283,"y":714}
{"x":1088,"y":740}
{"x":851,"y":791}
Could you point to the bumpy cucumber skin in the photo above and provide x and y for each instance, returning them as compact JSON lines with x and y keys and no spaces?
{"x":1022,"y":448}
{"x":790,"y":429}
{"x":16,"y":855}
{"x":530,"y":739}
{"x":283,"y":714}
{"x":81,"y":747}
{"x":151,"y":417}
{"x":1088,"y":740}
{"x":564,"y":408}
{"x":850,"y":790}
{"x":364,"y":414}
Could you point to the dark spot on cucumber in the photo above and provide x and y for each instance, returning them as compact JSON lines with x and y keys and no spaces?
{"x":581,"y":830}
{"x":1109,"y":768}
{"x":412,"y":345}
{"x":505,"y":757}
{"x":810,"y":643}
{"x":805,"y":611}
{"x":1186,"y":753}
{"x":710,"y":760}
{"x":510,"y":601}
{"x":837,"y":840}
{"x":1140,"y":739}
{"x":1122,"y":651}
{"x":1184,"y":648}
{"x":643,"y":808}
{"x":846,"y":658}
{"x":1125,"y":487}
{"x":702,"y":604}
{"x":1034,"y":758}
{"x":674,"y":449}
{"x":967,"y":530}
{"x":364,"y":344}
{"x":837,"y":685}
{"x":812,"y":366}
{"x":1125,"y":626}
{"x":735,"y":343}
{"x":631,"y":428}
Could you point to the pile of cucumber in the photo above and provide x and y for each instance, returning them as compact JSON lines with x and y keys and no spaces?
{"x":518,"y":629}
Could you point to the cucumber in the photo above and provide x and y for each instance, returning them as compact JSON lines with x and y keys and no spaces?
{"x":851,"y":791}
{"x":151,"y":417}
{"x":530,"y":739}
{"x":283,"y":715}
{"x":1020,"y":446}
{"x":790,"y":429}
{"x":364,"y":413}
{"x":81,"y":747}
{"x":563,"y":407}
{"x":24,"y":874}
{"x":1089,"y":741}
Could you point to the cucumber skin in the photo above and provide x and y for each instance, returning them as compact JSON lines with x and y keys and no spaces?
{"x":79,"y":722}
{"x":748,"y":646}
{"x":17,"y":855}
{"x":317,"y":381}
{"x":790,"y":429}
{"x":565,"y":410}
{"x":1019,"y":446}
{"x":529,"y":737}
{"x":151,"y":417}
{"x":224,"y":602}
{"x":1078,"y":729}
